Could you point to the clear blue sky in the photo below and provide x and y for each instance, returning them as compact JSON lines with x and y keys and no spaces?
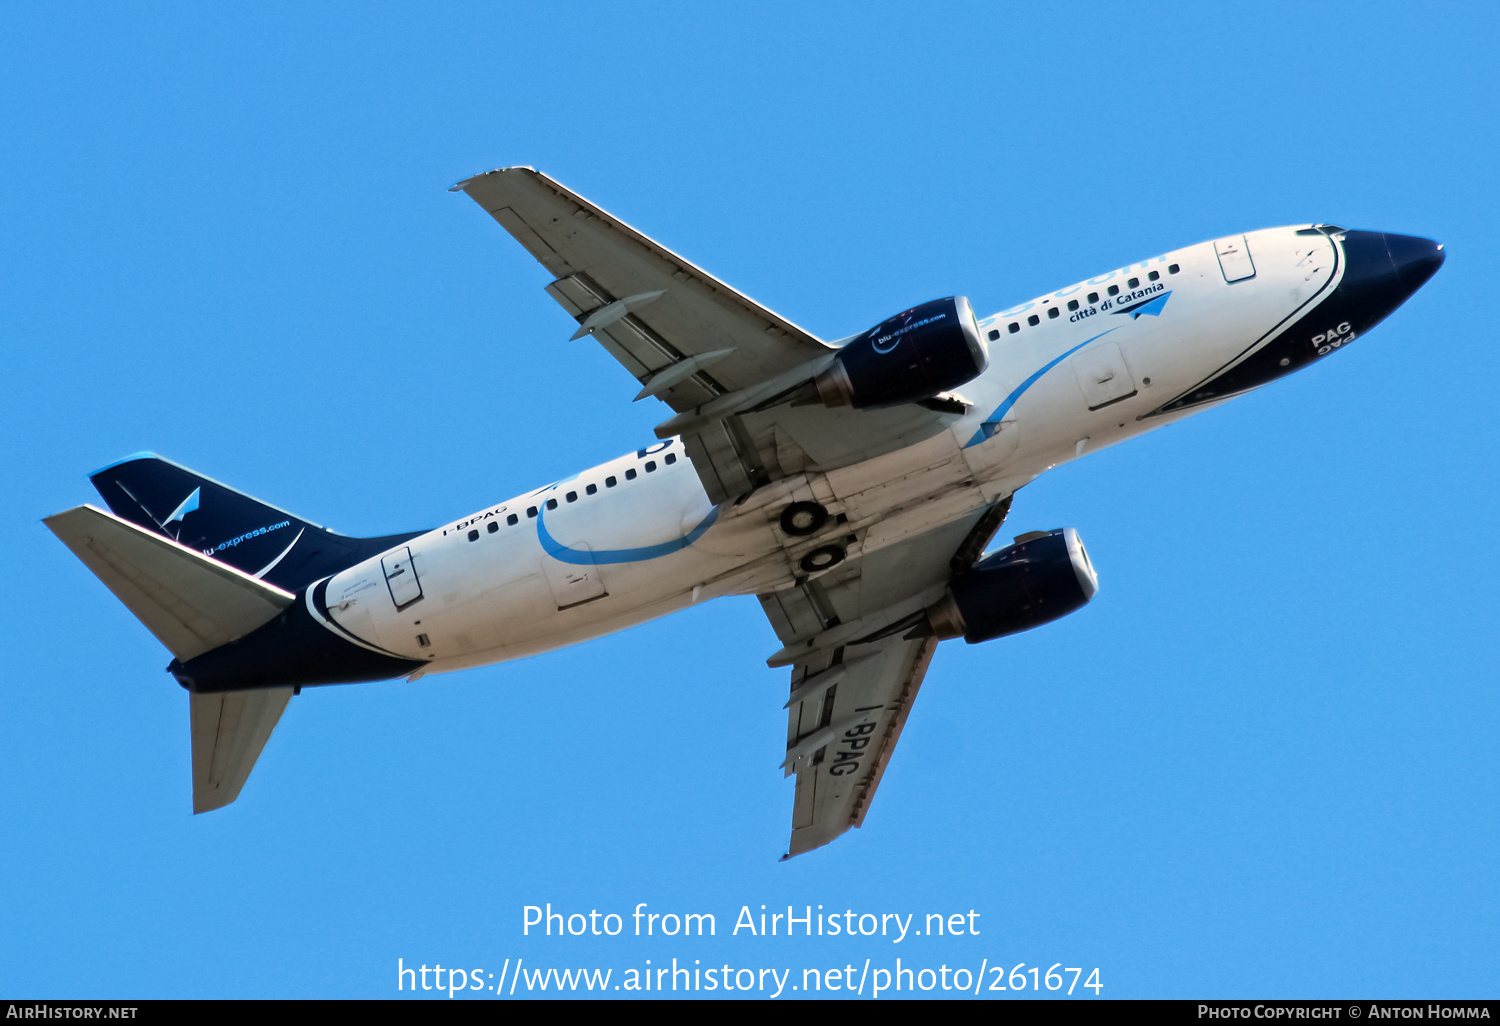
{"x":1263,"y":761}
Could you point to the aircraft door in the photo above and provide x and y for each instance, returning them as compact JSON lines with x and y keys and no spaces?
{"x":401,"y":577}
{"x":573,"y":583}
{"x":1102,"y":375}
{"x":1234,"y":258}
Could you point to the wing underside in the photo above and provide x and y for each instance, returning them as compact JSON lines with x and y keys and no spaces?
{"x":856,"y":642}
{"x":722,"y":361}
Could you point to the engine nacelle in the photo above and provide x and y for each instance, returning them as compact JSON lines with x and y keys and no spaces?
{"x":1044,"y":576}
{"x":914,"y":355}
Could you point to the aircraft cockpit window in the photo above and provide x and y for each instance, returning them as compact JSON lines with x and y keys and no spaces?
{"x":591,"y":489}
{"x":512,"y":520}
{"x":492,"y":526}
{"x":551,"y":503}
{"x":1072,"y":304}
{"x":630,"y":474}
{"x":610,"y":482}
{"x":671,"y":458}
{"x":1053,"y":311}
{"x":572,"y":496}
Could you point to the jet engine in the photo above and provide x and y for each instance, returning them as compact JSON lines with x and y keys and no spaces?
{"x":914,"y":355}
{"x":1043,"y":576}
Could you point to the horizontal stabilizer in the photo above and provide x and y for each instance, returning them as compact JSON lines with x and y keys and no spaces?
{"x":229,"y":730}
{"x":192,"y":603}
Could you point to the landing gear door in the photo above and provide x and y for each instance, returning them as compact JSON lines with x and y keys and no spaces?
{"x":1234,"y":258}
{"x":1102,"y":375}
{"x":576,"y":581}
{"x":401,"y":577}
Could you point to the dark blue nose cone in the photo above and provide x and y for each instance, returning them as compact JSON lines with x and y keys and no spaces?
{"x":1382,"y":273}
{"x":1414,"y":259}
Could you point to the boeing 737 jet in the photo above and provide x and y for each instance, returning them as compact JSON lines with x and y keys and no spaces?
{"x":852,"y":486}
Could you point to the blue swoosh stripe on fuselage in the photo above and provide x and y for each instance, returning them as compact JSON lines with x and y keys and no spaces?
{"x":582,"y":557}
{"x":1010,"y":400}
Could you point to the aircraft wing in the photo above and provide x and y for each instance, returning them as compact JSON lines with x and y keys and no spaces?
{"x":856,"y":643}
{"x":722,"y":361}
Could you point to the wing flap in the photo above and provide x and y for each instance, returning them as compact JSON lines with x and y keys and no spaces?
{"x":230,"y":728}
{"x":190,"y":602}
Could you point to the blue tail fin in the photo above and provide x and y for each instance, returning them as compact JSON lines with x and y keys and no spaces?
{"x":228,"y":525}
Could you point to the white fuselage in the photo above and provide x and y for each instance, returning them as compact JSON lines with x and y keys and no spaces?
{"x":637,"y":537}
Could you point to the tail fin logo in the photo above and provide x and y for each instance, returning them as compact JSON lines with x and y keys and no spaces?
{"x":187,"y":506}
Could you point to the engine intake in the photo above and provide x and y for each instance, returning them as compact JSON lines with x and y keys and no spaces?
{"x":914,"y":355}
{"x":1042,"y":577}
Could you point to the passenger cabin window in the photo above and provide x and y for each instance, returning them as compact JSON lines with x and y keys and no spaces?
{"x":610,"y":482}
{"x":1033,"y":320}
{"x":1114,"y":290}
{"x":591,"y":489}
{"x":671,"y":458}
{"x":650,"y":466}
{"x":1014,"y":327}
{"x":1093,"y":297}
{"x":512,"y":520}
{"x":1053,"y":311}
{"x":994,"y":334}
{"x":1173,"y":269}
{"x":630,"y":474}
{"x":473,"y":536}
{"x":572,"y":496}
{"x":1072,"y":304}
{"x":1154,"y":276}
{"x":1133,"y":282}
{"x":492,"y":526}
{"x":551,"y":503}
{"x":531,"y":511}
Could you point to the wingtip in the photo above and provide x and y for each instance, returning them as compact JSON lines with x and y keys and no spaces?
{"x":460,"y":185}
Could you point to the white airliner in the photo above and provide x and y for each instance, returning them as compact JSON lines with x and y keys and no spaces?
{"x":851,"y":486}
